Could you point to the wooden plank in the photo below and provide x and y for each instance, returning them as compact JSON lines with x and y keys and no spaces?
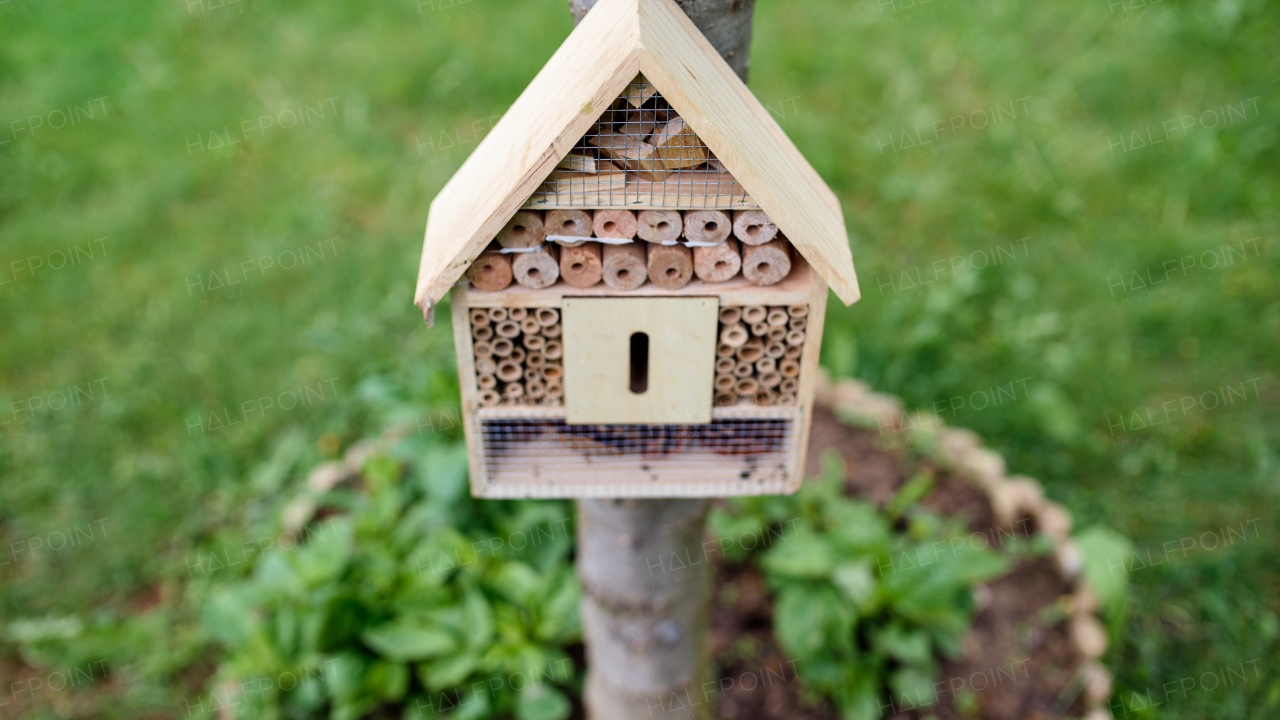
{"x":467,"y":379}
{"x":598,"y":364}
{"x":809,"y":375}
{"x":794,"y":290}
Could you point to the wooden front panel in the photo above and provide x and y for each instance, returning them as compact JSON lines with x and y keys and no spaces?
{"x":598,"y":364}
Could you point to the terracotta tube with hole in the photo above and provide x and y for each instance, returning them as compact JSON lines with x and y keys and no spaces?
{"x":486,"y":366}
{"x":670,"y":267}
{"x":723,"y":351}
{"x":479,"y":318}
{"x":483,"y":333}
{"x":535,"y":360}
{"x":659,"y":226}
{"x":798,"y":311}
{"x":730,"y":315}
{"x":789,"y":368}
{"x":552,"y":373}
{"x":789,"y":386}
{"x":552,"y":331}
{"x":795,"y":338}
{"x":547,"y":316}
{"x":789,"y":399}
{"x":530,"y":375}
{"x":746,"y":386}
{"x":719,"y":263}
{"x":582,"y":266}
{"x":760,"y":329}
{"x":775,"y":350}
{"x":555,"y":390}
{"x":752,"y":351}
{"x":486,"y":381}
{"x":517,"y":354}
{"x":765,"y":397}
{"x":536,"y":390}
{"x":489,"y":398}
{"x":794,"y":352}
{"x":483,"y":350}
{"x":725,"y":365}
{"x":798,"y":323}
{"x":507,"y":329}
{"x":754,"y":313}
{"x":553,"y":350}
{"x":707,"y":226}
{"x":753,"y":227}
{"x":777,"y":335}
{"x":534,"y":342}
{"x":574,"y":223}
{"x":502,"y":347}
{"x":517,"y":313}
{"x":726,"y":400}
{"x":490,"y":272}
{"x":766,"y":365}
{"x":766,"y":264}
{"x":537,"y":269}
{"x":725,"y":383}
{"x":771,"y":379}
{"x":614,"y":224}
{"x":509,"y":371}
{"x":530,"y":326}
{"x":744,"y":370}
{"x":497,"y":314}
{"x":624,"y":266}
{"x":777,"y":317}
{"x":525,"y":230}
{"x":513,"y":390}
{"x":734,"y":335}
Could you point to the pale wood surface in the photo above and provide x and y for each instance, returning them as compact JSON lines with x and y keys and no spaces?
{"x":467,"y":379}
{"x":617,"y":41}
{"x":809,"y":375}
{"x":795,"y":289}
{"x":597,"y":359}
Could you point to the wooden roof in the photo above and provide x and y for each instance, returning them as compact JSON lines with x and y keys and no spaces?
{"x":618,"y":40}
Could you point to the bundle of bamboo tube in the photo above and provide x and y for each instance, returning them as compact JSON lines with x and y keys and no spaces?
{"x":718,"y":247}
{"x":758,"y":355}
{"x":519,"y":356}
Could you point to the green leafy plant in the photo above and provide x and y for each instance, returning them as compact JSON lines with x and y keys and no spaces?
{"x":412,"y":599}
{"x":865,"y":599}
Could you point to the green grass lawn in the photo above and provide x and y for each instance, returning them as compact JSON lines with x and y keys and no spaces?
{"x":1065,"y":218}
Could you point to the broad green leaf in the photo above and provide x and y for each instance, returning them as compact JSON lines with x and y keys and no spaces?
{"x":911,"y":492}
{"x":857,"y":581}
{"x":448,"y":672}
{"x":516,"y":581}
{"x":407,"y":641}
{"x":909,"y":646}
{"x":860,"y":699}
{"x":808,"y":617}
{"x":387,"y":681}
{"x":542,"y":702}
{"x":478,"y":622}
{"x":805,"y":554}
{"x":912,"y":688}
{"x":1107,"y":555}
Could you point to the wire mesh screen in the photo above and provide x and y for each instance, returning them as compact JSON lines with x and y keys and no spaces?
{"x":539,"y":455}
{"x":641,"y":154}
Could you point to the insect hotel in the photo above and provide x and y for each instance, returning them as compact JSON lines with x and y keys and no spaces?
{"x":638,"y":261}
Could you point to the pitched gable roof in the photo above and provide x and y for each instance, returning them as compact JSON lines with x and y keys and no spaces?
{"x":618,"y":40}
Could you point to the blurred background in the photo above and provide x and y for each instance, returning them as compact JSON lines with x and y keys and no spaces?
{"x":211,"y":215}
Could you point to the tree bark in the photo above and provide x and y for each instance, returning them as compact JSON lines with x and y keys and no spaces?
{"x":646,"y":579}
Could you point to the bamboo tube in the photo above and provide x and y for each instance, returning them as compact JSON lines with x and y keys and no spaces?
{"x":509,"y":371}
{"x":789,"y":368}
{"x":725,"y":383}
{"x":614,"y":224}
{"x":798,"y":323}
{"x":726,"y":400}
{"x":771,"y":379}
{"x":508,"y":329}
{"x":734,"y":335}
{"x":502,"y":347}
{"x":624,"y":266}
{"x":765,"y":397}
{"x":553,"y":350}
{"x":517,"y":354}
{"x":574,"y":223}
{"x":725,"y":365}
{"x":547,"y":316}
{"x":497,"y":314}
{"x":765,"y":264}
{"x":486,"y":381}
{"x":524,"y":230}
{"x":530,"y":375}
{"x":718,"y":263}
{"x":552,"y":372}
{"x":552,"y":331}
{"x":555,"y":390}
{"x":777,"y":317}
{"x":489,"y":398}
{"x":787,"y":399}
{"x":483,"y":350}
{"x":483,"y":333}
{"x":730,"y":315}
{"x":517,"y":313}
{"x":581,"y":266}
{"x":777,"y":335}
{"x":754,"y":313}
{"x":751,"y":351}
{"x":490,"y":272}
{"x":795,"y":337}
{"x":530,"y":326}
{"x":753,"y":227}
{"x":535,"y":360}
{"x":723,"y":350}
{"x":707,"y":226}
{"x":766,"y":365}
{"x":794,"y":352}
{"x":534,"y":342}
{"x":659,"y":226}
{"x":760,"y":329}
{"x":775,"y":350}
{"x":670,"y":267}
{"x":486,"y":366}
{"x":537,"y":269}
{"x":798,"y":311}
{"x":789,"y":386}
{"x":746,"y":386}
{"x":513,"y":390}
{"x":536,"y":390}
{"x":744,"y":369}
{"x":479,"y":317}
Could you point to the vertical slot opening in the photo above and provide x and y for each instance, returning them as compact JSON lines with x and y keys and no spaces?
{"x":639,"y":363}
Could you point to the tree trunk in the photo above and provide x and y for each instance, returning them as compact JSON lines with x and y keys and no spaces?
{"x":646,"y":579}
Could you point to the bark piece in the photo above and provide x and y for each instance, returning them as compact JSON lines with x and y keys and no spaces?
{"x":626,"y":151}
{"x":575,"y":223}
{"x":619,"y":224}
{"x":578,"y":163}
{"x":659,"y":226}
{"x":670,"y":266}
{"x":624,"y":266}
{"x":638,"y":92}
{"x":524,"y":230}
{"x":766,"y":264}
{"x":537,"y":269}
{"x":674,"y":147}
{"x":582,"y":266}
{"x":706,"y":226}
{"x":718,"y":263}
{"x":753,"y":227}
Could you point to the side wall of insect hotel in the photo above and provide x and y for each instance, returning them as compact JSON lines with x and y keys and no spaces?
{"x":592,"y":369}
